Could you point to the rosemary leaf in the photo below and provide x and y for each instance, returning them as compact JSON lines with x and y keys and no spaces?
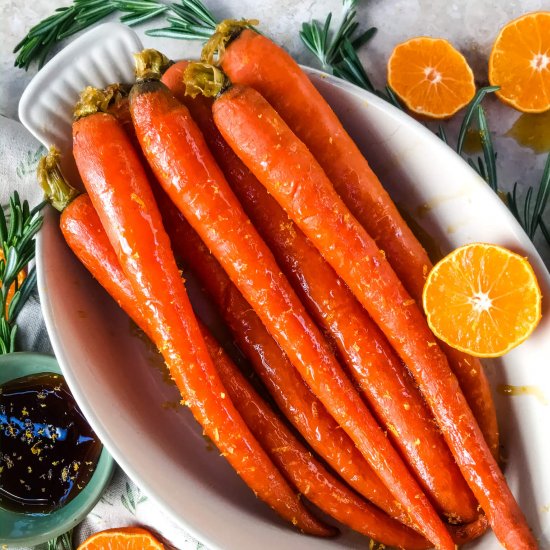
{"x":195,"y":11}
{"x":541,"y":200}
{"x":391,"y":96}
{"x":488,"y":151}
{"x":545,"y":231}
{"x":363,"y":38}
{"x":22,"y":295}
{"x":527,"y":209}
{"x":470,"y":112}
{"x":512,"y":202}
{"x":351,"y":69}
{"x":191,"y":20}
{"x":442,"y":135}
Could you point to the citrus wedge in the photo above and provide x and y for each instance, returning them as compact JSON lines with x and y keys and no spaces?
{"x":431,"y":77}
{"x":520,"y":63}
{"x":123,"y":538}
{"x":482,"y":299}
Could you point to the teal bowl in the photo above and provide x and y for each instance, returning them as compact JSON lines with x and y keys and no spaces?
{"x":28,"y":529}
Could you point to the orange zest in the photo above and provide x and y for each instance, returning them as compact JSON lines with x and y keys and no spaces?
{"x":482,"y":299}
{"x":122,"y":538}
{"x":431,"y":77}
{"x":520,"y":63}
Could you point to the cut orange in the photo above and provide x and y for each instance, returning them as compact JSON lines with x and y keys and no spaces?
{"x":123,"y":538}
{"x":520,"y":63}
{"x":482,"y":299}
{"x":431,"y":77}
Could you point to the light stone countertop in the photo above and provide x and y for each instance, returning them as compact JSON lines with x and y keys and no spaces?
{"x":471,"y":25}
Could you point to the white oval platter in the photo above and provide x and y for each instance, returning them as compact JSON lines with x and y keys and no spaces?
{"x":118,"y":380}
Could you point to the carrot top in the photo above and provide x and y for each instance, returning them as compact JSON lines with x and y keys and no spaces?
{"x":205,"y":79}
{"x":226,"y":31}
{"x":57,"y":190}
{"x":151,"y":64}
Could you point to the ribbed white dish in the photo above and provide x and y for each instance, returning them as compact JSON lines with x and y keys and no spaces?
{"x":117,"y":379}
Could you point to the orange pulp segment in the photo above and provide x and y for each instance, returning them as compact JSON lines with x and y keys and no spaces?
{"x":482,"y":299}
{"x":520,"y":63}
{"x":431,"y":77}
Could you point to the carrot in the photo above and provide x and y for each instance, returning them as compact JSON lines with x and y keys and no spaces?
{"x":306,"y":473}
{"x":288,"y":170}
{"x":382,"y":377}
{"x":282,"y":380}
{"x":114,"y":178}
{"x":175,"y":148}
{"x":286,"y":386}
{"x":284,"y":383}
{"x":254,"y":60}
{"x":85,"y":235}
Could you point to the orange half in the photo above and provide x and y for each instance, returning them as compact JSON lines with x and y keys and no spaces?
{"x":482,"y":299}
{"x":123,"y":538}
{"x":431,"y":77}
{"x":520,"y":63}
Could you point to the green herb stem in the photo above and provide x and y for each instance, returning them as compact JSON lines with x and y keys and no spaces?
{"x":17,"y":232}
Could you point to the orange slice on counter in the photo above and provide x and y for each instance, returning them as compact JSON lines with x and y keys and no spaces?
{"x":123,"y":538}
{"x":520,"y":63}
{"x":431,"y":77}
{"x":482,"y":299}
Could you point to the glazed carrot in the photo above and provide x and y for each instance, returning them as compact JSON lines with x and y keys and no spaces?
{"x":288,"y":170}
{"x":306,"y":473}
{"x":282,"y":380}
{"x":382,"y":377}
{"x":85,"y":235}
{"x":119,"y":190}
{"x":291,"y":394}
{"x":254,"y":60}
{"x":175,"y":148}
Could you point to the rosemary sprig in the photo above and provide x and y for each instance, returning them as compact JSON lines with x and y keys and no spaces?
{"x":337,"y":51}
{"x":191,"y":20}
{"x":80,"y":15}
{"x":17,"y":232}
{"x":470,"y":114}
{"x":531,"y":218}
{"x":62,"y":542}
{"x":317,"y":37}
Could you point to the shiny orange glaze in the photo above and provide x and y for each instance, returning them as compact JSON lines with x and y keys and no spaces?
{"x":290,"y":173}
{"x":390,"y":390}
{"x":256,"y":61}
{"x":85,"y":235}
{"x":282,"y":380}
{"x":184,"y":166}
{"x":305,"y":472}
{"x":120,"y":193}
